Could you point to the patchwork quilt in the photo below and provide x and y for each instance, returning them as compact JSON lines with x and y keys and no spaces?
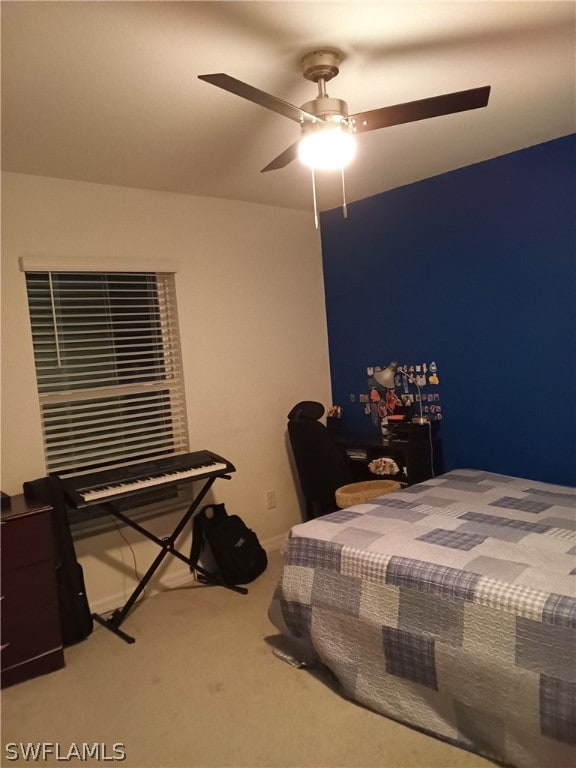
{"x":449,"y":606}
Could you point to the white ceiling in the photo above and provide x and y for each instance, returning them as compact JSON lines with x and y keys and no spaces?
{"x":108,"y":91}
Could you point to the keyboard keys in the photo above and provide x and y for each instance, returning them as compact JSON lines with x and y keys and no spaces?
{"x":104,"y":492}
{"x":103,"y":485}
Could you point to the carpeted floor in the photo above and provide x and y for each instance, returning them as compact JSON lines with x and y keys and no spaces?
{"x":201,"y":688}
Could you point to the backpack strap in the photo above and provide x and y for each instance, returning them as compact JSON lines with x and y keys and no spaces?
{"x":197,"y":539}
{"x":200,"y":573}
{"x":218,"y":511}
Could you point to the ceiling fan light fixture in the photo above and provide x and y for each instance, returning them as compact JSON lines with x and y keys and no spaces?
{"x":327,"y":149}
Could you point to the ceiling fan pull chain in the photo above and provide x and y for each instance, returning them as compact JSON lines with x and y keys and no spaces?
{"x":314,"y":196}
{"x":344,"y":206}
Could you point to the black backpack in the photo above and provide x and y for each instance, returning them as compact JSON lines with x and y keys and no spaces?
{"x":237,"y":553}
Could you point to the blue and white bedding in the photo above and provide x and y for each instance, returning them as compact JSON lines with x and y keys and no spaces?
{"x":449,"y":606}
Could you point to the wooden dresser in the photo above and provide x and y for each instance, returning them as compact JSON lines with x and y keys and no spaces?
{"x":31,"y":636}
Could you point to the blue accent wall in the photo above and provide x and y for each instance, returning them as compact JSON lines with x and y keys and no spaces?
{"x":476,"y":270}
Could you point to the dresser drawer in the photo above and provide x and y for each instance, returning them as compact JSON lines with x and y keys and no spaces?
{"x":39,"y":665}
{"x":30,"y":633}
{"x":33,"y":585}
{"x":26,"y":539}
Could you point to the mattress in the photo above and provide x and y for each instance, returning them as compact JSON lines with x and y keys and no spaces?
{"x":449,"y":606}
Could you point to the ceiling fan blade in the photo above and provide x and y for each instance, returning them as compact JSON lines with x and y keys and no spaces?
{"x":282,"y":160}
{"x":257,"y":96}
{"x":448,"y":103}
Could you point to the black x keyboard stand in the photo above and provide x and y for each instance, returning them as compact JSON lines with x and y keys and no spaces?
{"x":167,"y":544}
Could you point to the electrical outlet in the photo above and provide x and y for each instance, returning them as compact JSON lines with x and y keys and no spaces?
{"x":270,"y":499}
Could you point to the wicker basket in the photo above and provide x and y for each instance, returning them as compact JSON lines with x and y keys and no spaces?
{"x":360,"y":493}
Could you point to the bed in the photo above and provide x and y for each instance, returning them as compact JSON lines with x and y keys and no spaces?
{"x":449,"y":606}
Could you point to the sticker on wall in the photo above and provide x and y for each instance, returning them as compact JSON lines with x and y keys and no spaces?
{"x":392,"y":401}
{"x":413,"y":382}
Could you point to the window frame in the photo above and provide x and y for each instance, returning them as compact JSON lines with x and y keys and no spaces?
{"x":146,"y":393}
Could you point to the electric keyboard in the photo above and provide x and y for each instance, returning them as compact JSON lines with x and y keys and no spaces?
{"x":109,"y":485}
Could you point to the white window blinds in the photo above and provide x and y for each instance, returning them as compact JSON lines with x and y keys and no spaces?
{"x":108,"y":367}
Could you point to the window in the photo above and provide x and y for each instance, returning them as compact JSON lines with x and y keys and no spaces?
{"x":108,"y":368}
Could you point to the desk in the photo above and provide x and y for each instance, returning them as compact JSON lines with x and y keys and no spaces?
{"x":414,"y":447}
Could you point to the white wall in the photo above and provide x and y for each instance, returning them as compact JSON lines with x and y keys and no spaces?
{"x":252,"y":321}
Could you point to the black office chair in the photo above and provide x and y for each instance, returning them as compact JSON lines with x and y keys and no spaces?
{"x":324,"y":470}
{"x":322,"y":464}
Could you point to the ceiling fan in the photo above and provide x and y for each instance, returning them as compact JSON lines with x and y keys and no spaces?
{"x":326,"y":120}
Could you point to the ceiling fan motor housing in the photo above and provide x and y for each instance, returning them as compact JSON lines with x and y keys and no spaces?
{"x":327,"y":108}
{"x":321,"y":65}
